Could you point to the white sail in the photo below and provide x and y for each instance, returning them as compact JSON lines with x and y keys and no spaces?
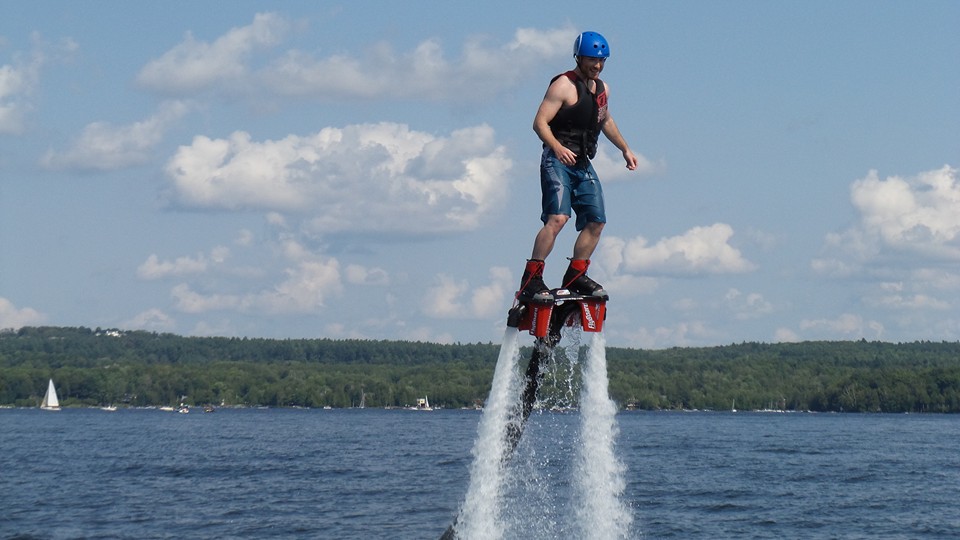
{"x":50,"y":401}
{"x":423,"y":404}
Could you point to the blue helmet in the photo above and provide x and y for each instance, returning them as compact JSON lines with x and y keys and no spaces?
{"x":592,"y":45}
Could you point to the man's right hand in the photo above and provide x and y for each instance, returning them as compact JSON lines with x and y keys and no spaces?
{"x":565,"y":155}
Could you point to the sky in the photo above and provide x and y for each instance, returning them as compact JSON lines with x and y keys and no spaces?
{"x":368,"y":170}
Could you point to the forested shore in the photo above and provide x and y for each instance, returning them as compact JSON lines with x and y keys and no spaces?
{"x":137,"y":368}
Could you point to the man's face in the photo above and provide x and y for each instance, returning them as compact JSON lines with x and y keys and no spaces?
{"x":591,"y":67}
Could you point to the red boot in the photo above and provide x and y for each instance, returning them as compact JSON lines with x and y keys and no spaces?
{"x":532,"y":287}
{"x":576,"y":280}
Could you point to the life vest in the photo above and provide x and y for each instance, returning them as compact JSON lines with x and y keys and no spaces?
{"x":578,"y":126}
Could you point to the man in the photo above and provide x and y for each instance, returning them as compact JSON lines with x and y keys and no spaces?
{"x":569,"y":121}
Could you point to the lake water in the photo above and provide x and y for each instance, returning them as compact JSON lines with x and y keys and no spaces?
{"x":396,"y":474}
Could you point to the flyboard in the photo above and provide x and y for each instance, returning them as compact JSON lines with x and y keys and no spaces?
{"x":545,"y":320}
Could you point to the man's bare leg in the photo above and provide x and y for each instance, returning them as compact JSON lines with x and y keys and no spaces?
{"x":543,"y":244}
{"x":587,"y":241}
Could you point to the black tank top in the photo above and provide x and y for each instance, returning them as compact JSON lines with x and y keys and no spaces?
{"x":577,"y":126}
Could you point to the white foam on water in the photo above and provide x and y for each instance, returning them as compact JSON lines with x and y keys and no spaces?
{"x":599,"y":477}
{"x":523,"y":496}
{"x":480,"y":515}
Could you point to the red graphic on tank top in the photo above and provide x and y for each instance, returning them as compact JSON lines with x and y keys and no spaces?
{"x":602,"y":106}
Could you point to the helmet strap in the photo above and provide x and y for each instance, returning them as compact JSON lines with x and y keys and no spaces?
{"x":581,"y":72}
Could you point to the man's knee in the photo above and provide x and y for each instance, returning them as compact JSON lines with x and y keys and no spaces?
{"x":555,"y":222}
{"x":594,"y":228}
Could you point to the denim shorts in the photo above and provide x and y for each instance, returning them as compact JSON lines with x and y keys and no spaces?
{"x":565,"y":188}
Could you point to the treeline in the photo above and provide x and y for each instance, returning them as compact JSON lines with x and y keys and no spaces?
{"x":136,"y":368}
{"x":852,"y":376}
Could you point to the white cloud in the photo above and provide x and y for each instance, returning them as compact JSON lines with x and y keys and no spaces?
{"x":244,"y":238}
{"x":906,"y":243}
{"x":611,"y":167}
{"x":919,"y":214}
{"x":20,"y":79}
{"x":412,"y":182}
{"x":293,"y":249}
{"x":701,"y":250}
{"x":103,"y":146}
{"x":764,"y":240}
{"x":785,"y":335}
{"x":914,"y":219}
{"x":847,"y":326}
{"x":627,"y":285}
{"x":916,"y":301}
{"x":681,"y":334}
{"x":308,"y":284}
{"x":936,"y":278}
{"x":545,"y":43}
{"x":747,"y":306}
{"x":426,"y":334}
{"x":452,"y":299}
{"x":16,"y":85}
{"x":427,"y":72}
{"x":894,"y":295}
{"x":443,"y":299}
{"x":154,"y":268}
{"x":360,"y":275}
{"x":852,"y":247}
{"x":153,"y":319}
{"x":305,"y":290}
{"x":194,"y":65}
{"x":208,"y":328}
{"x":277,"y":220}
{"x":13,"y":317}
{"x":481,"y":71}
{"x":189,"y":301}
{"x":219,"y":254}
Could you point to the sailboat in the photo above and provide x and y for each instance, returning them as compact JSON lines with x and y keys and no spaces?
{"x":50,"y":401}
{"x":423,"y":404}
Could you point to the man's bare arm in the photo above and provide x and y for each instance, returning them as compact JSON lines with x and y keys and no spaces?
{"x":612,"y":132}
{"x":558,"y":94}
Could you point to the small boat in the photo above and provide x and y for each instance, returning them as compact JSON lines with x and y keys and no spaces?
{"x":209,"y":408}
{"x":109,"y":408}
{"x":50,"y":401}
{"x":423,"y":404}
{"x":183,"y":409}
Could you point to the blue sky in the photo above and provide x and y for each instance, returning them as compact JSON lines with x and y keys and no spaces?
{"x":368,"y":169}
